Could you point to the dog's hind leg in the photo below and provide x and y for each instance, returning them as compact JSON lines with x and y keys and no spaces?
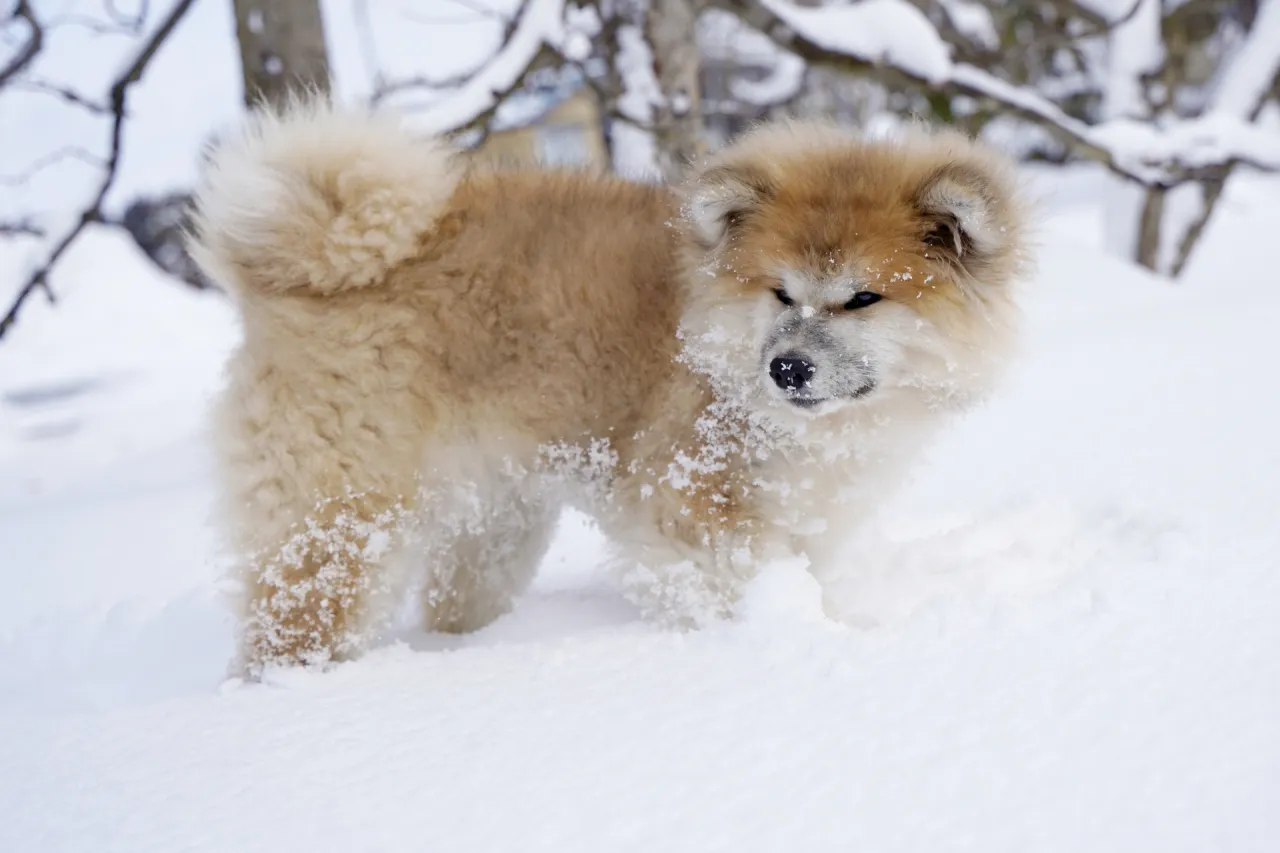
{"x":319,"y":488}
{"x":485,"y":541}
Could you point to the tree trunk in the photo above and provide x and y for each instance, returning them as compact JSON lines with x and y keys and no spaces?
{"x":670,"y":29}
{"x":282,"y":49}
{"x":1149,"y":221}
{"x":1134,"y":49}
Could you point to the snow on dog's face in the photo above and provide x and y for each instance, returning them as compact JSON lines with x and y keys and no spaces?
{"x":830,"y":271}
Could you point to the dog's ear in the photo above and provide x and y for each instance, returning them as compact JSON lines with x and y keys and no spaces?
{"x":962,"y":209}
{"x":721,"y":199}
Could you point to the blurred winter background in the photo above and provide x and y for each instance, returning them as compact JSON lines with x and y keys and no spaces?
{"x":1062,"y":636}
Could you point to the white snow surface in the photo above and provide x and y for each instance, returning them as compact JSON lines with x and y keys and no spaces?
{"x":1061,"y":637}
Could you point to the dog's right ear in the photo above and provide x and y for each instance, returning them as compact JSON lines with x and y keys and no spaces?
{"x":721,"y":199}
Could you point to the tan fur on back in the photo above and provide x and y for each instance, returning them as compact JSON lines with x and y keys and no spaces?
{"x":430,"y":353}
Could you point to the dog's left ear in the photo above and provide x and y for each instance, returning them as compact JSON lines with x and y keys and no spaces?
{"x":721,"y":199}
{"x":963,"y":208}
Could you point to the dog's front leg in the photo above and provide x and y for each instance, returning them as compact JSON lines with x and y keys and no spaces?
{"x":686,"y":553}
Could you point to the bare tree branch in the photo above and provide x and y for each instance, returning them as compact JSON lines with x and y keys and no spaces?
{"x":385,"y":89}
{"x":481,"y":121}
{"x":117,"y":24}
{"x":119,"y":93}
{"x":529,"y":43}
{"x":65,"y":94}
{"x":27,"y":53}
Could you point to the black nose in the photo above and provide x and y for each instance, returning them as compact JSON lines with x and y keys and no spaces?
{"x":791,"y":371}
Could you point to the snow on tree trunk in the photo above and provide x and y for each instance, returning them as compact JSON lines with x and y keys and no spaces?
{"x":1134,"y":48}
{"x":670,"y":29}
{"x":282,"y":49}
{"x":635,"y":152}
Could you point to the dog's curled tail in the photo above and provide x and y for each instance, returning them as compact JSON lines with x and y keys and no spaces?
{"x":317,"y":197}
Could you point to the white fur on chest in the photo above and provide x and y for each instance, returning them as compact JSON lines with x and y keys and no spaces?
{"x":845,"y":470}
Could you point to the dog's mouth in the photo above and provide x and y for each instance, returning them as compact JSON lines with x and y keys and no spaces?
{"x":809,"y":404}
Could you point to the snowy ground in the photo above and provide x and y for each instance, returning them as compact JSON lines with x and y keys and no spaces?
{"x":1063,"y":636}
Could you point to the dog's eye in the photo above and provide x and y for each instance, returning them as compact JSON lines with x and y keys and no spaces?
{"x":862,"y":299}
{"x":782,"y":297}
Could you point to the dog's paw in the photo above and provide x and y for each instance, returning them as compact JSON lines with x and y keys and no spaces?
{"x":677,"y":594}
{"x":296,"y":641}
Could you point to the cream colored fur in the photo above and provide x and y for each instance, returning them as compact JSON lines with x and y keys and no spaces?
{"x":436,"y":360}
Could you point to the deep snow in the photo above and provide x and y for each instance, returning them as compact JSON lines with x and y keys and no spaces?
{"x":1062,"y":636}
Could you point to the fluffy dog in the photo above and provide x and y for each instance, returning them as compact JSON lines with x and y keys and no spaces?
{"x":435,"y":355}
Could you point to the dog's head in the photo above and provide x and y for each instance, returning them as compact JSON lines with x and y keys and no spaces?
{"x":829,"y":271}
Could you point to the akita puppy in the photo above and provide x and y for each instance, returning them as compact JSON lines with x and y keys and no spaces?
{"x":736,"y":369}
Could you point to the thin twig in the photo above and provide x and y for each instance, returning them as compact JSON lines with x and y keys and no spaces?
{"x":385,"y":89}
{"x":481,"y":120}
{"x":27,"y":53}
{"x":70,"y":152}
{"x":133,"y":22}
{"x":93,"y":213}
{"x":93,"y":25}
{"x":68,"y":95}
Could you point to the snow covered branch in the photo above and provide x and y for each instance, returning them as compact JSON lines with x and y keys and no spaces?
{"x":64,"y":93}
{"x":894,"y":39}
{"x":1252,"y":71}
{"x":117,"y":98}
